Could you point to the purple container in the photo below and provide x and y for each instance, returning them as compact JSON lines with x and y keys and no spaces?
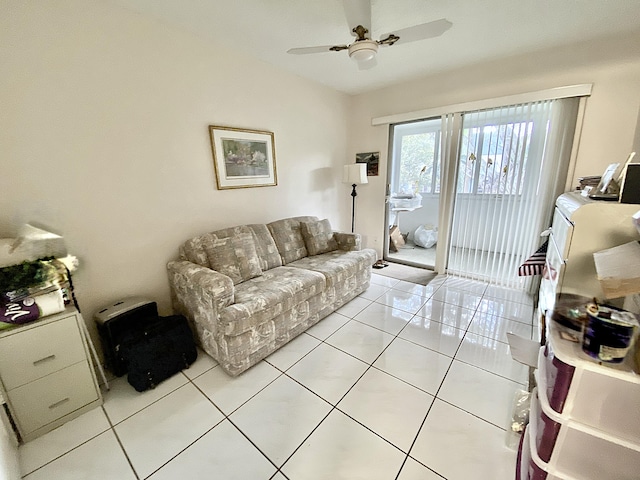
{"x":559,"y":376}
{"x":535,"y":472}
{"x":526,"y":468}
{"x":546,"y":434}
{"x":519,"y":475}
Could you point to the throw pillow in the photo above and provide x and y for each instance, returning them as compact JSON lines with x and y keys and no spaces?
{"x":234,"y":257}
{"x":318,"y":237}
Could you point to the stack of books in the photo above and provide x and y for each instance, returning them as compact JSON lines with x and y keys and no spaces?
{"x":592,"y":181}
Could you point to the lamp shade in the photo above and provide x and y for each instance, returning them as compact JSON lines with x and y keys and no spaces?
{"x":355,"y":174}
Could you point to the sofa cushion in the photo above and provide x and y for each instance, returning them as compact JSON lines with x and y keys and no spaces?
{"x":262,"y":298}
{"x":338,"y":265}
{"x":234,"y":257}
{"x":318,"y":237}
{"x":266,"y":247}
{"x":193,"y":250}
{"x":286,"y":233}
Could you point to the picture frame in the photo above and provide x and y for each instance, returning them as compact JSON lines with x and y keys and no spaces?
{"x":243,"y":158}
{"x":607,"y":177}
{"x":372,"y":159}
{"x":623,"y":170}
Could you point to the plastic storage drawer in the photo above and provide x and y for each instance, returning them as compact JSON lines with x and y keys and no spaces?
{"x":558,"y":375}
{"x":579,"y":451}
{"x":529,"y":465}
{"x":606,"y":397}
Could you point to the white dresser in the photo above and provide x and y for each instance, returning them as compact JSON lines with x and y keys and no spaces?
{"x":581,"y":227}
{"x":46,"y":373}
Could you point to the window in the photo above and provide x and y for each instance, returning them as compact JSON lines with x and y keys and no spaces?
{"x":416,"y":150}
{"x":493,"y":158}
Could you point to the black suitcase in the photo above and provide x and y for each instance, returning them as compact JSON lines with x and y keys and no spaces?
{"x":156,"y":352}
{"x":117,"y":320}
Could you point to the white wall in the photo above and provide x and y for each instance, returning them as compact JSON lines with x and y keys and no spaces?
{"x":612,"y":65}
{"x":636,"y":141}
{"x":104,"y":139}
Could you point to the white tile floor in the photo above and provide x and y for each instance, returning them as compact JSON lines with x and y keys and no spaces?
{"x":405,"y":382}
{"x":412,"y":253}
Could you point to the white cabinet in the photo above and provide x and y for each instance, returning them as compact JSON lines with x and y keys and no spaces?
{"x":582,"y":226}
{"x":46,"y":373}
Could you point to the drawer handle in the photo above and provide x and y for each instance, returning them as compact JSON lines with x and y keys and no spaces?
{"x":45,"y":359}
{"x":57,"y":404}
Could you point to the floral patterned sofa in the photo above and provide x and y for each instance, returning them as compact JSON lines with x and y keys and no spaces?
{"x":248,"y":290}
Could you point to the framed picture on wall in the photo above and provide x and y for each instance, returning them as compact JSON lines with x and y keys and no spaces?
{"x":372,"y":159}
{"x":243,"y":158}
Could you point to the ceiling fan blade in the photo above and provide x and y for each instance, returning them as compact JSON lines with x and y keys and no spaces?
{"x":367,"y":64}
{"x":422,"y":31}
{"x":358,"y":12}
{"x":325,"y":48}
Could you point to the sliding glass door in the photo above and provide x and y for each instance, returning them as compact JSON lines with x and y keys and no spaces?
{"x":492,"y":186}
{"x":512,"y":164}
{"x":412,"y":209}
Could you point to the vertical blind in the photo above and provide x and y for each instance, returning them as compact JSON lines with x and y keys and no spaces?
{"x":511,"y":165}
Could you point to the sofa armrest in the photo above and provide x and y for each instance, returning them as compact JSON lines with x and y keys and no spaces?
{"x":348,"y":241}
{"x":199,"y":293}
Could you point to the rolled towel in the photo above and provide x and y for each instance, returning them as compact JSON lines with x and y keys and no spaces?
{"x":31,"y":308}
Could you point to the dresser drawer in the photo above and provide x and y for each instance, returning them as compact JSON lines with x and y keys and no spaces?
{"x":562,"y":231}
{"x":36,"y":352}
{"x":48,"y":399}
{"x":575,"y":450}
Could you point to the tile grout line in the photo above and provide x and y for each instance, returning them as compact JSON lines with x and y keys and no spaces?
{"x":189,"y":381}
{"x":482,"y":296}
{"x":335,"y":406}
{"x":435,"y":397}
{"x":225,"y":417}
{"x":124,"y":451}
{"x":449,"y":403}
{"x":49,"y":462}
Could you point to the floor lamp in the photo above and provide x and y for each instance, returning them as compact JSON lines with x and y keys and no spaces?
{"x":354,"y":174}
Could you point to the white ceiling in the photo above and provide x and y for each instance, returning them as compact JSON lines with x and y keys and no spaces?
{"x":482,"y":30}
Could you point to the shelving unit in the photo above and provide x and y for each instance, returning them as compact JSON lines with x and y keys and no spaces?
{"x":583,"y":421}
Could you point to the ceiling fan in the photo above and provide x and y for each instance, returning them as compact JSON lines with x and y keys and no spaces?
{"x":363,"y":50}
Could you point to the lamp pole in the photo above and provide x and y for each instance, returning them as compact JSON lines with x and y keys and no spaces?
{"x":354,"y":174}
{"x":353,"y":208}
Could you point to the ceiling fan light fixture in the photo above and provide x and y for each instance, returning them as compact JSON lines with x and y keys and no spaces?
{"x":363,"y":50}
